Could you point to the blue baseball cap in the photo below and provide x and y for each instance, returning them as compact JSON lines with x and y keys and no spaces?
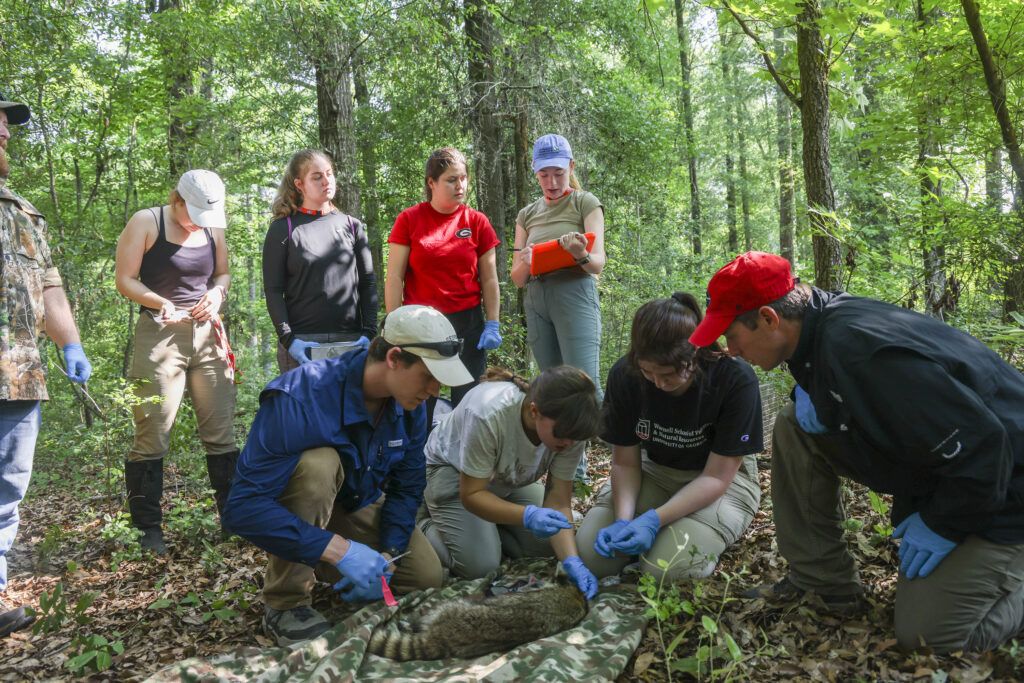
{"x":551,"y":150}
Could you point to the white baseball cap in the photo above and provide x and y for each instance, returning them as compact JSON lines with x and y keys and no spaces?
{"x":203,"y":192}
{"x":425,"y":332}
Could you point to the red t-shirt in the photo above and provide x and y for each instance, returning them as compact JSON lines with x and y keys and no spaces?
{"x":444,"y":249}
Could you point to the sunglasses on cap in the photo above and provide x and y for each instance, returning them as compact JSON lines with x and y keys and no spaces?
{"x":448,"y":349}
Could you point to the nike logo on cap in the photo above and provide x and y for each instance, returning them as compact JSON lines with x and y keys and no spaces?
{"x":212,"y":201}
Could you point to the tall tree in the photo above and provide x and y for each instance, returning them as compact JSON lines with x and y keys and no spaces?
{"x":332,"y":60}
{"x":1014,"y":286}
{"x":686,"y":107}
{"x":482,"y":38}
{"x":178,"y":77}
{"x":730,"y":133}
{"x":784,"y":149}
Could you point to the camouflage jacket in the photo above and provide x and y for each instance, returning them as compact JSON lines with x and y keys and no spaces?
{"x":27,"y":270}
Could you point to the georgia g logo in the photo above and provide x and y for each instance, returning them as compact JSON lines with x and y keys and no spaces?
{"x":463,"y":233}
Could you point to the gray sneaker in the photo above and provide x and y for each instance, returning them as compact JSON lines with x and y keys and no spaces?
{"x":290,"y":626}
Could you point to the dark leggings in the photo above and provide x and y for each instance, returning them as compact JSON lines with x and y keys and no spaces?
{"x":469,"y":325}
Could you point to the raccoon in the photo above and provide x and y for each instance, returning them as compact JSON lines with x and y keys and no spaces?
{"x":477,"y":625}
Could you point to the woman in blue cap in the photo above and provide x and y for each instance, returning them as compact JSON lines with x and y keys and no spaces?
{"x":563,"y":318}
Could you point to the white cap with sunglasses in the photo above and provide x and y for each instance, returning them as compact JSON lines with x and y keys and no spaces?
{"x":425,"y":332}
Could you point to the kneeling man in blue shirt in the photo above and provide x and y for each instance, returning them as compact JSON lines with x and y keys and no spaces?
{"x":333,"y":471}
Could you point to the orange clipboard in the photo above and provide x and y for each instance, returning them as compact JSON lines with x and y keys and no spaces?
{"x":549,"y":256}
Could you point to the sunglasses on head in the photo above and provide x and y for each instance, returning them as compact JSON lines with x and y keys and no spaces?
{"x":448,"y":349}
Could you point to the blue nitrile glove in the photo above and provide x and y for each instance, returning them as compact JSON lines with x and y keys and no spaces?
{"x":490,"y":338}
{"x":605,"y":535}
{"x":77,"y":364}
{"x":638,"y":536}
{"x":361,"y":568}
{"x":297,"y":350}
{"x":581,"y":576}
{"x":544,"y":522}
{"x":363,"y":342}
{"x":806,"y":416}
{"x":921,"y":549}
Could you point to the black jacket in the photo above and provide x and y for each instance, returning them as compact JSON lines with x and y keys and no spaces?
{"x":921,"y":410}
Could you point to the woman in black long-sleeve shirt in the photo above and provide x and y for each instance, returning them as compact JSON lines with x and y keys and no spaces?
{"x":317,"y":270}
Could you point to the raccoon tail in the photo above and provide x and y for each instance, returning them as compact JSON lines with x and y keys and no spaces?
{"x":402,"y":646}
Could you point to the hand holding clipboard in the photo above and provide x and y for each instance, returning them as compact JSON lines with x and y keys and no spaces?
{"x":550,"y":255}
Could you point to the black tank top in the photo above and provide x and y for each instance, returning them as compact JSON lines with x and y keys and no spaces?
{"x":178,"y":273}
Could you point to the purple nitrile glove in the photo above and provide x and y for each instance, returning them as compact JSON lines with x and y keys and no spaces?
{"x":79,"y":367}
{"x":361,"y":568}
{"x":921,"y":549}
{"x":605,"y":535}
{"x":297,"y":350}
{"x":544,"y":522}
{"x":581,"y":576}
{"x":490,"y":339}
{"x":638,"y":536}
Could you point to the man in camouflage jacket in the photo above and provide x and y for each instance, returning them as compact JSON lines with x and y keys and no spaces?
{"x":32,"y":300}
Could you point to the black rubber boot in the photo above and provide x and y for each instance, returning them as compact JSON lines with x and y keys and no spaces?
{"x":144,"y":481}
{"x":221,"y":468}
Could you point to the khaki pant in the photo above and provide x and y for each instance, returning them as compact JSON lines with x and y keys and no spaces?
{"x":310,"y":494}
{"x":704,"y":535}
{"x":974,"y":600}
{"x":473,"y":545}
{"x":167,"y":359}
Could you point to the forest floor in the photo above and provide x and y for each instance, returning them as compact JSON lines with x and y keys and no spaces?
{"x":104,"y":606}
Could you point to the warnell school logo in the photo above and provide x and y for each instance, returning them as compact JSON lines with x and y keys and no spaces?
{"x":643,"y":429}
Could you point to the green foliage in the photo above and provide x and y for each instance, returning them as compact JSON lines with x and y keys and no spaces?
{"x":221,"y":603}
{"x":882,"y":529}
{"x":54,"y":611}
{"x":119,"y":534}
{"x":193,"y":524}
{"x":93,"y":653}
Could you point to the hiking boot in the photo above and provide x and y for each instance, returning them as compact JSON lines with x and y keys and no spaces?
{"x":785,"y":591}
{"x":290,"y":626}
{"x":14,"y":620}
{"x":153,"y":539}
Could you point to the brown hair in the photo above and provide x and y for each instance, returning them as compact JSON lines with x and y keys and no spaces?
{"x":439,"y":161}
{"x":379,"y":348}
{"x":288,"y":198}
{"x":789,"y":306}
{"x":661,"y":329}
{"x":174,"y":197}
{"x":564,"y":394}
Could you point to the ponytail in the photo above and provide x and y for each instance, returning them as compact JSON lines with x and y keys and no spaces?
{"x":496,"y":374}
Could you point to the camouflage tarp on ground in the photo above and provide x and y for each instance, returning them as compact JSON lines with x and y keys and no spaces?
{"x":597,"y":649}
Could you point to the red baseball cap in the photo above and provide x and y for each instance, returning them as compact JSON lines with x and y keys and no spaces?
{"x":747,"y":282}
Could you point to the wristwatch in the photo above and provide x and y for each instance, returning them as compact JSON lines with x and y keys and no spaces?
{"x":583,"y":261}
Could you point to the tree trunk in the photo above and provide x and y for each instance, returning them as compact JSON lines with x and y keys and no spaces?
{"x":686,"y":105}
{"x":1013,"y":292}
{"x":933,"y":249}
{"x":178,"y":77}
{"x":784,"y":145}
{"x":368,"y":161}
{"x":994,"y":178}
{"x":741,"y":139}
{"x":814,"y":111}
{"x":482,"y":37}
{"x":730,"y":128}
{"x":336,"y":115}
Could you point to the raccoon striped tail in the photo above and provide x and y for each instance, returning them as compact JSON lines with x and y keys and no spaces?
{"x":403,"y":646}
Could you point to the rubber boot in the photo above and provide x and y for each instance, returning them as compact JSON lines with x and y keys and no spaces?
{"x":144,"y":481}
{"x":221,"y":468}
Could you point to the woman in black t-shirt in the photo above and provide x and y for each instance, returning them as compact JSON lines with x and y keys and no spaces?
{"x":684,"y":424}
{"x":317,"y":269}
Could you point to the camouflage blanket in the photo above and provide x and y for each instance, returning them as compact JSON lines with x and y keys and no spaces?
{"x":597,"y":649}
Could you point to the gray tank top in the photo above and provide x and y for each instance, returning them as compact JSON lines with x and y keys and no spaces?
{"x":178,"y":273}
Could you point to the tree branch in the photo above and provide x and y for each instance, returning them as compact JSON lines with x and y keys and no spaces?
{"x":764,"y":55}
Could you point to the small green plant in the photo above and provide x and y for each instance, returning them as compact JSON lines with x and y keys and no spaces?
{"x":193,"y":522}
{"x":212,"y":559}
{"x":53,"y":610}
{"x":49,"y":546}
{"x":221,"y":604}
{"x":93,"y":653}
{"x":883,"y":529}
{"x":118,"y":532}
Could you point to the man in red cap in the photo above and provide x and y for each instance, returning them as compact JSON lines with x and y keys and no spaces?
{"x":32,"y":300}
{"x":906,"y":405}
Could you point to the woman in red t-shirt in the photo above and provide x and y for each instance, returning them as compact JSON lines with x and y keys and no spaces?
{"x":441,"y":254}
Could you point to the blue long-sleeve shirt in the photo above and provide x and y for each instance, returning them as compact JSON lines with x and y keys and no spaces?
{"x":321,"y":404}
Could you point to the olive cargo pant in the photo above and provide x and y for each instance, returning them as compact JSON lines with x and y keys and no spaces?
{"x":974,"y":600}
{"x":310,"y":494}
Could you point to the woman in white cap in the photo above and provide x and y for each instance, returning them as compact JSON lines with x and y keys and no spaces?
{"x":173,"y":261}
{"x":485,"y":459}
{"x":317,"y":269}
{"x":563,"y":317}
